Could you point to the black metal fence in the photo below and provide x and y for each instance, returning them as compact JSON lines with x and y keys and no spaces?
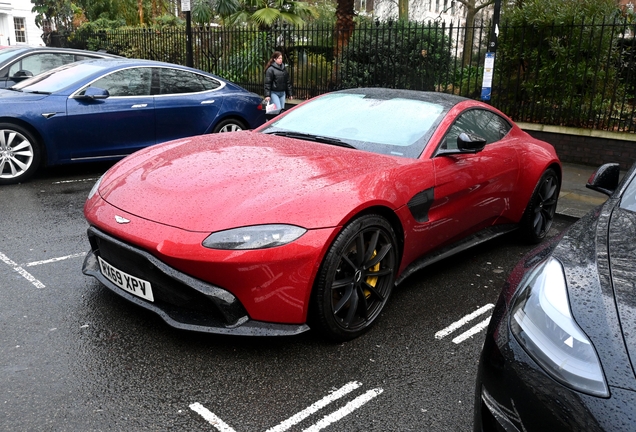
{"x":581,"y":75}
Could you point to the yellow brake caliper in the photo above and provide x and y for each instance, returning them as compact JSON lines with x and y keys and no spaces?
{"x":372,"y":280}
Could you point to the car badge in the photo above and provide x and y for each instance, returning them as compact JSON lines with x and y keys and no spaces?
{"x":121,"y":220}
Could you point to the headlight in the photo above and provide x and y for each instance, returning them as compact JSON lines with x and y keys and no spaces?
{"x":254,"y":237}
{"x":95,"y":187}
{"x":542,"y":323}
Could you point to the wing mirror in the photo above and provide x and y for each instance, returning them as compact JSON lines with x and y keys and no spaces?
{"x":469,"y":143}
{"x":95,"y":93}
{"x":21,"y":75}
{"x":605,"y":179}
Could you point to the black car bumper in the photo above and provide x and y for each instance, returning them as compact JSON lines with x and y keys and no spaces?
{"x":181,"y":300}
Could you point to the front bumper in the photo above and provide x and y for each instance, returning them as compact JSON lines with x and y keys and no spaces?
{"x":180,"y":300}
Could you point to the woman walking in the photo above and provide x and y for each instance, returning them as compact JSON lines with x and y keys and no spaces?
{"x":277,"y":82}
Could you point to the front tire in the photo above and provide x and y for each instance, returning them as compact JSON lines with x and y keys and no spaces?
{"x":229,"y":125}
{"x":20,"y":154}
{"x":539,"y":214}
{"x":355,"y":279}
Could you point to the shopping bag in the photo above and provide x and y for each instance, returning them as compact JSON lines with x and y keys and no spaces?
{"x":270,"y":108}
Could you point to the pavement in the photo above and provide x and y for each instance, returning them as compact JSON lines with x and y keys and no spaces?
{"x":575,"y":200}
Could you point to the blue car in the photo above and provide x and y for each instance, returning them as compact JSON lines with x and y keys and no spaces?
{"x":106,"y":109}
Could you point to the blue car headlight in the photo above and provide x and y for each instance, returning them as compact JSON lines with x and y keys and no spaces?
{"x":542,"y":322}
{"x":254,"y":237}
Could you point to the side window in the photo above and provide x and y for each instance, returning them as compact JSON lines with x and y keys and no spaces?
{"x":127,"y":82}
{"x":483,"y":123}
{"x":38,"y":63}
{"x":175,"y":81}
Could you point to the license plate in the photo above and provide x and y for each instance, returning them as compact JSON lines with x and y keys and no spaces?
{"x":123,"y":280}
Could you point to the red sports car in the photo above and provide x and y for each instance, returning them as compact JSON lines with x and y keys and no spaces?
{"x":313,"y":218}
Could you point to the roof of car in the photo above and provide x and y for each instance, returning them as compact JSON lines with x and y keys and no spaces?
{"x":24,"y":49}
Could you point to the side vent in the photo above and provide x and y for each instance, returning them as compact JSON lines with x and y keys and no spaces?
{"x":420,"y":204}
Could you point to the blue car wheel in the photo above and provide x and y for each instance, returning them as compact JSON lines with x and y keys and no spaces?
{"x":20,"y":154}
{"x":229,"y":125}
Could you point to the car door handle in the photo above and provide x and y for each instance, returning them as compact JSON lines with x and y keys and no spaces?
{"x":205,"y":102}
{"x":139,"y":106}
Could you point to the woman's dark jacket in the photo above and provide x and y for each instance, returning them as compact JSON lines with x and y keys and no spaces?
{"x":277,"y":80}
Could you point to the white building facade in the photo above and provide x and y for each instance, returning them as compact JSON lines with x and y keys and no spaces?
{"x":17,"y":24}
{"x":423,"y":10}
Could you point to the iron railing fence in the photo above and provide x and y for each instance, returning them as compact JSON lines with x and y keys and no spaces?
{"x":580,"y":75}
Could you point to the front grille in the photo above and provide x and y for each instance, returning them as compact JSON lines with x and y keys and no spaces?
{"x":185,"y":299}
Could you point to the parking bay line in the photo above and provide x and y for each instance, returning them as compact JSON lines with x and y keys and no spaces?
{"x":25,"y":274}
{"x":52,"y":260}
{"x":457,"y":324}
{"x":329,"y":419}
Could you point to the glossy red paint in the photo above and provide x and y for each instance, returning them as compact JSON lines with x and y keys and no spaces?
{"x":272,"y":284}
{"x":176,"y":194}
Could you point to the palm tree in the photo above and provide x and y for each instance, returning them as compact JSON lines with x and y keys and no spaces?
{"x":345,"y":24}
{"x":264,"y":13}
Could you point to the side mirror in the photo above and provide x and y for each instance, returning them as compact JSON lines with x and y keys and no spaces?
{"x":605,"y":179}
{"x":95,"y":93}
{"x":470,"y":143}
{"x":21,"y":75}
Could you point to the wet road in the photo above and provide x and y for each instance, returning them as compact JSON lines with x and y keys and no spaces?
{"x":74,"y":356}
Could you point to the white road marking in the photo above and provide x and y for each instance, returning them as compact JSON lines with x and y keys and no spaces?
{"x":358,"y":402}
{"x":345,"y":410}
{"x":457,"y":324}
{"x":52,"y":260}
{"x":297,"y":418}
{"x":473,"y":331}
{"x":219,"y":424}
{"x":76,"y":181}
{"x":25,"y":274}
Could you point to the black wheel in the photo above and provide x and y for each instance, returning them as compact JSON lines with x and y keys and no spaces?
{"x":539,"y":214}
{"x":20,"y":154}
{"x":229,"y":125}
{"x":355,"y":279}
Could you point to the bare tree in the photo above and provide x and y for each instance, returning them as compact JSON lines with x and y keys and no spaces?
{"x":472,"y":9}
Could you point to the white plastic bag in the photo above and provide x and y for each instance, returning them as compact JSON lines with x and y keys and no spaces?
{"x":270,"y":108}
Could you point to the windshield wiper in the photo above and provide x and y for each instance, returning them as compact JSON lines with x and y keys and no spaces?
{"x":310,"y":137}
{"x":37,"y":92}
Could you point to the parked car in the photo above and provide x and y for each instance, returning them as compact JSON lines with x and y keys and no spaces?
{"x":315,"y":216}
{"x":18,"y":63}
{"x":108,"y":108}
{"x":560,"y":348}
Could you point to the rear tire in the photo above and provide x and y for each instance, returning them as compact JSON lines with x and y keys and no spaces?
{"x":229,"y":125}
{"x":20,"y":154}
{"x":355,"y":279}
{"x":539,"y":214}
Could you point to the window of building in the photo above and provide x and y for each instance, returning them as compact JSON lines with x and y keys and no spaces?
{"x":20,"y":29}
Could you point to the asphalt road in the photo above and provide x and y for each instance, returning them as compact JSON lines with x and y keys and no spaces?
{"x":76,"y":357}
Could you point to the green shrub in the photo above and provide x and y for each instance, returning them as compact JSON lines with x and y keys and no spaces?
{"x":396,"y":55}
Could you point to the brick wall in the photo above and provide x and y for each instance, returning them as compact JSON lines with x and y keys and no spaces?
{"x":587,"y":147}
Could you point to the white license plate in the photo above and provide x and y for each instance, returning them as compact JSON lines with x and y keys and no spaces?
{"x":132,"y":284}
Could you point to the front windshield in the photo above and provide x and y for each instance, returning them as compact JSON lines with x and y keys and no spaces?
{"x":58,"y":78}
{"x":628,"y":201}
{"x":7,"y":53}
{"x":396,"y":126}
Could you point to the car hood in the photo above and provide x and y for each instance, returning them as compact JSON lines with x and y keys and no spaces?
{"x":596,"y":254}
{"x":622,"y":259}
{"x":214,"y":182}
{"x":10,"y":96}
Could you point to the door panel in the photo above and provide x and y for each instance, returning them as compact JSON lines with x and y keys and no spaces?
{"x":119,"y":125}
{"x":186,"y":103}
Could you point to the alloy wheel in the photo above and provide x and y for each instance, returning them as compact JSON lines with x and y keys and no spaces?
{"x":16,"y":154}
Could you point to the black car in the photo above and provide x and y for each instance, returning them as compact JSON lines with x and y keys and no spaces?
{"x":560,"y":350}
{"x":20,"y":62}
